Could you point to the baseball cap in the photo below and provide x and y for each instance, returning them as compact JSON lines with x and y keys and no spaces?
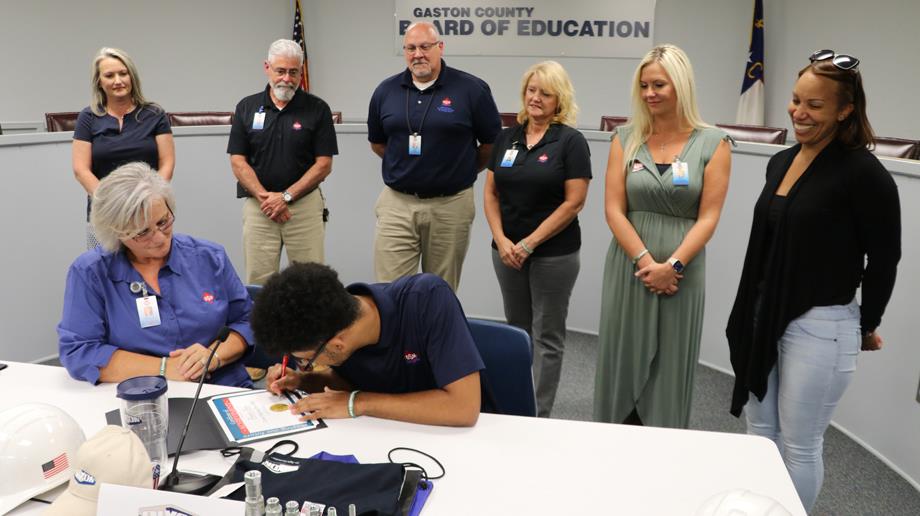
{"x":115,"y":455}
{"x":38,"y":443}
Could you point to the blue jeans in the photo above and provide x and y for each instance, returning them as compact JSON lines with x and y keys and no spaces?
{"x":817,"y":358}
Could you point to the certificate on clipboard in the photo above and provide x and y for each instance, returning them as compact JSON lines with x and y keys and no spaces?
{"x":249,"y":416}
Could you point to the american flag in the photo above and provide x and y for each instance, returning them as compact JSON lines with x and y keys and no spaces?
{"x":299,"y":39}
{"x":55,"y":466}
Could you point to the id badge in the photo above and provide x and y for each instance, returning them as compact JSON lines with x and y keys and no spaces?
{"x":415,"y":145}
{"x":258,"y":121}
{"x":680,"y":173}
{"x":508,"y":160}
{"x":148,"y":312}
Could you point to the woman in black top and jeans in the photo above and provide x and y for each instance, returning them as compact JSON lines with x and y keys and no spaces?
{"x":827,"y":220}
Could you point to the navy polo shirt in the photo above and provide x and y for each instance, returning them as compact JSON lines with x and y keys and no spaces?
{"x":534,"y":186}
{"x":112,"y":146}
{"x":289,"y":141}
{"x":460,"y":111}
{"x":425,"y":341}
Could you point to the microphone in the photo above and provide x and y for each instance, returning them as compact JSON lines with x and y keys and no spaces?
{"x":189,"y":482}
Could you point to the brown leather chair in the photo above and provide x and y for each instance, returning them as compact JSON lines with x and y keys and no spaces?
{"x":755,"y":133}
{"x":336,"y":117}
{"x":508,"y":119}
{"x":63,"y":121}
{"x":897,"y":148}
{"x":184,"y":118}
{"x":609,"y":123}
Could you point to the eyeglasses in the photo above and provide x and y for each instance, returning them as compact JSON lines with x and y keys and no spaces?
{"x":162,"y":226}
{"x":307,"y":364}
{"x":292,"y":72}
{"x":424,"y":47}
{"x":841,"y":61}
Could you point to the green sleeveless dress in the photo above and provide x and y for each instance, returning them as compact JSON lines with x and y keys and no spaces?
{"x":649,"y":344}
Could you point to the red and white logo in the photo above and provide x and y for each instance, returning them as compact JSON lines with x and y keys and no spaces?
{"x":446,"y":102}
{"x":543,"y":157}
{"x":297,"y":126}
{"x":207,"y":297}
{"x":410,"y":357}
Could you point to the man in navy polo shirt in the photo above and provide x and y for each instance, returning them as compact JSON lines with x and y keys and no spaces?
{"x":400,"y":350}
{"x":433,"y":126}
{"x":281,"y":147}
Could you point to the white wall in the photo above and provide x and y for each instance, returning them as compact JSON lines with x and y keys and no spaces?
{"x":206,"y":54}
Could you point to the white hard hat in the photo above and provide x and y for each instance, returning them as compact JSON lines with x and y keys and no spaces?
{"x":38,"y":442}
{"x":742,"y":502}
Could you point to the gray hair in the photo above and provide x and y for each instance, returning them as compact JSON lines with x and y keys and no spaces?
{"x":123,"y":200}
{"x":97,"y":98}
{"x":428,"y":25}
{"x":285,"y":48}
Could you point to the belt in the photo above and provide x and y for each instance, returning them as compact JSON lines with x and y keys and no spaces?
{"x":429,"y":195}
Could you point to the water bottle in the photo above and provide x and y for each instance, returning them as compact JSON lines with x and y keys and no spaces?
{"x":145,"y":412}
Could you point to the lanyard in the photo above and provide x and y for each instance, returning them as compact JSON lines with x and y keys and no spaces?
{"x":424,"y":115}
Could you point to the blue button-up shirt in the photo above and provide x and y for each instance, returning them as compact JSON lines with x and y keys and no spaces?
{"x":200,"y":292}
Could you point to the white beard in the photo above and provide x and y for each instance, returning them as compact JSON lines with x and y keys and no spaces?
{"x":283,"y":92}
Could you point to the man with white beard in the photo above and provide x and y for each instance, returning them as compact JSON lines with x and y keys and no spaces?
{"x":281,"y":147}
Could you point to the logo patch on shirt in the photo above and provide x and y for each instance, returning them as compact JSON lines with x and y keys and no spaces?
{"x":297,"y":125}
{"x":410,"y":357}
{"x":445,"y":105}
{"x":543,"y":157}
{"x":207,"y":297}
{"x":637,"y":166}
{"x":82,"y":477}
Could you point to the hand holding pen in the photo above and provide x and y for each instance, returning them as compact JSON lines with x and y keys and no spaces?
{"x":280,"y":378}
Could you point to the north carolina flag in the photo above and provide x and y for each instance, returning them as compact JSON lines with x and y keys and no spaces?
{"x":750,"y":106}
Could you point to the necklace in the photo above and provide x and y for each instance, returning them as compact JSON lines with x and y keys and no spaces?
{"x":665,"y":144}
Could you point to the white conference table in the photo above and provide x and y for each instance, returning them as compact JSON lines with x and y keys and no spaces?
{"x":505,"y":465}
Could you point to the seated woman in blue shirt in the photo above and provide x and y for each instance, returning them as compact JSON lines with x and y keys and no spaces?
{"x":148,"y":301}
{"x":119,"y":126}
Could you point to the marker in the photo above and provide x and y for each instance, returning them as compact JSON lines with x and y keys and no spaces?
{"x":284,"y":362}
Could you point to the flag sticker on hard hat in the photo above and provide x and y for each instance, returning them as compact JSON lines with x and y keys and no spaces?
{"x":55,"y":466}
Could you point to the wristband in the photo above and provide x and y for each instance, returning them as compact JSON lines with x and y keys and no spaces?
{"x":163,"y":367}
{"x":639,"y":256}
{"x":523,"y":245}
{"x":351,"y":403}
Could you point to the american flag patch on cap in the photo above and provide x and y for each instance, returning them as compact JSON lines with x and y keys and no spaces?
{"x":55,"y":466}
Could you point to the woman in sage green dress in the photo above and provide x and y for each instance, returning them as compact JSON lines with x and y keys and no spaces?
{"x":667,"y":177}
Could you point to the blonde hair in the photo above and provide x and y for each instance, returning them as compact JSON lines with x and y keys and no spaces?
{"x":555,"y":80}
{"x":123,"y":200}
{"x":97,"y":95}
{"x":677,"y":65}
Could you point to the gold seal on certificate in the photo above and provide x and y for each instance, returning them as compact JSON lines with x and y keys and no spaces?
{"x":279,"y":407}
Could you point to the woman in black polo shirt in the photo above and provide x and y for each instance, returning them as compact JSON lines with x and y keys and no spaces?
{"x":535,"y":186}
{"x":827,"y":220}
{"x":119,"y":126}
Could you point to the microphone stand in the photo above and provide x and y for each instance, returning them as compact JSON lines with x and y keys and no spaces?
{"x":186,"y":481}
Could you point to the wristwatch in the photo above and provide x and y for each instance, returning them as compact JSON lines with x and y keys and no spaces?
{"x":677,"y":264}
{"x":287,"y":196}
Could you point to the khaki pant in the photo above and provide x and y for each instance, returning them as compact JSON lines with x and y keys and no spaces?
{"x":434,"y":232}
{"x":263,"y":238}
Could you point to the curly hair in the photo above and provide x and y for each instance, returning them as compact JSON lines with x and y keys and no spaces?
{"x":300,"y":308}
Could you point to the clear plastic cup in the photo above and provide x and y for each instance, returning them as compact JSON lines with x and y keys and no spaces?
{"x":144,"y":410}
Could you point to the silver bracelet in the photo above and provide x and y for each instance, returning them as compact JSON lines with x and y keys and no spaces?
{"x":639,"y":256}
{"x":163,"y":367}
{"x":523,"y":245}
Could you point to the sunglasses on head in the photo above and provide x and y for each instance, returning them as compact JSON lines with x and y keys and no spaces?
{"x":841,"y":61}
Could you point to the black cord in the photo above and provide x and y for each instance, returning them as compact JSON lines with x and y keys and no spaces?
{"x":415,"y":465}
